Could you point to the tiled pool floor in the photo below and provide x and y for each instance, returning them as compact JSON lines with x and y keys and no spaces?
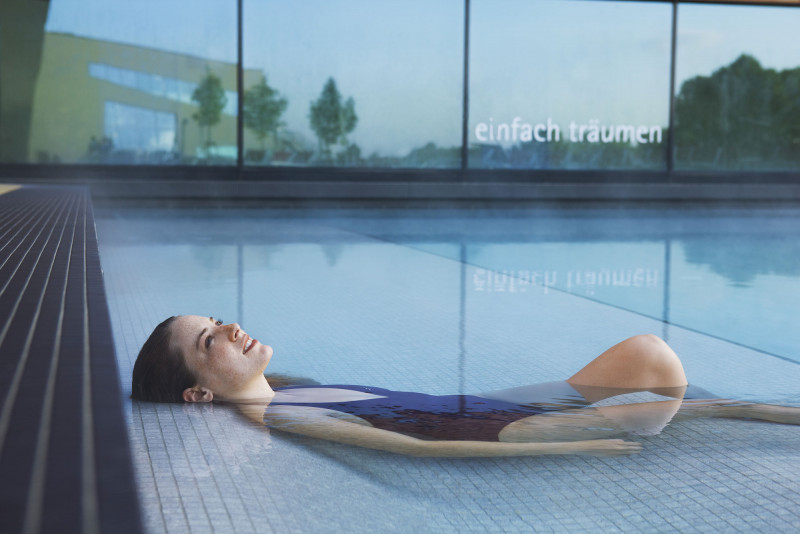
{"x":448,"y":301}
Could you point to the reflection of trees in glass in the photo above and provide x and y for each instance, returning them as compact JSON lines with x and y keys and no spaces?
{"x":331,"y":120}
{"x":350,"y":156}
{"x":428,"y":156}
{"x":740,"y":260}
{"x":741,"y":116}
{"x":210,"y":98}
{"x":432,"y":156}
{"x":565,"y":154}
{"x":262,"y":109}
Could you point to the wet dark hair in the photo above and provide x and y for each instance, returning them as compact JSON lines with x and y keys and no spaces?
{"x":160,"y":373}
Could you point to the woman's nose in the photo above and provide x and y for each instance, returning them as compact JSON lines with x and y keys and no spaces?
{"x":233,"y":331}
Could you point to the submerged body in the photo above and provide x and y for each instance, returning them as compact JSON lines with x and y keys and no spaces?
{"x":483,"y":417}
{"x":199,"y":359}
{"x":441,"y":417}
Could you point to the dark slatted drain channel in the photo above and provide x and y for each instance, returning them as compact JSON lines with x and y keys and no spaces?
{"x":65,"y":464}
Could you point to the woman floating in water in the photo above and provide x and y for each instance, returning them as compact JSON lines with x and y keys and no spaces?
{"x":199,"y":359}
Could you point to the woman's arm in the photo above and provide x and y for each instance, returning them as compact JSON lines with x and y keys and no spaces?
{"x":323,"y":424}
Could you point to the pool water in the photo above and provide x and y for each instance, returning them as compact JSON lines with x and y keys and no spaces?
{"x":448,"y":301}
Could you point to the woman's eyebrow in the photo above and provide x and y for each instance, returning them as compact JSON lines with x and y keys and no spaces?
{"x":203,"y":332}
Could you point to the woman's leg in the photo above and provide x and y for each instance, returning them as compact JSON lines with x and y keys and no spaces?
{"x":787,"y":415}
{"x":640,"y":362}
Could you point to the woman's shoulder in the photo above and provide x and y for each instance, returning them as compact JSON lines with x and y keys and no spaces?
{"x":327,"y":394}
{"x":371,"y":390}
{"x":280,"y":380}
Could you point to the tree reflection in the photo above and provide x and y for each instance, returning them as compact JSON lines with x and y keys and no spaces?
{"x":742,"y":116}
{"x":210,"y":98}
{"x":564,"y":154}
{"x":741,"y":260}
{"x":262,"y":109}
{"x":332,"y":120}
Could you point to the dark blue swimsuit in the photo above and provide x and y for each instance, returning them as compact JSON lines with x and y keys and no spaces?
{"x":437,"y":417}
{"x":453,"y":417}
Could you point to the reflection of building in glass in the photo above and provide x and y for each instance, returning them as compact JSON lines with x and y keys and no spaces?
{"x":153,"y":84}
{"x":139,"y":129}
{"x":99,"y":101}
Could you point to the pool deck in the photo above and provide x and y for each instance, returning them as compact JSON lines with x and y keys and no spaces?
{"x":65,"y":463}
{"x":333,"y":284}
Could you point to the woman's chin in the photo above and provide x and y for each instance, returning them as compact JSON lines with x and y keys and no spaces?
{"x":259,"y":350}
{"x":265,"y":354}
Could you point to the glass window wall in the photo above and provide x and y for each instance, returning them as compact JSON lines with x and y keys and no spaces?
{"x":569,"y":85}
{"x":553,"y":84}
{"x":738,"y":88}
{"x":353,"y":83}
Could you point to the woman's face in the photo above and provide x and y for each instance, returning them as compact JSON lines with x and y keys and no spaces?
{"x":224,"y":359}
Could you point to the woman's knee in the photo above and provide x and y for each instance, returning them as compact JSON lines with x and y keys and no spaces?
{"x":640,"y":361}
{"x":652,"y":347}
{"x":654,"y":354}
{"x":648,"y":344}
